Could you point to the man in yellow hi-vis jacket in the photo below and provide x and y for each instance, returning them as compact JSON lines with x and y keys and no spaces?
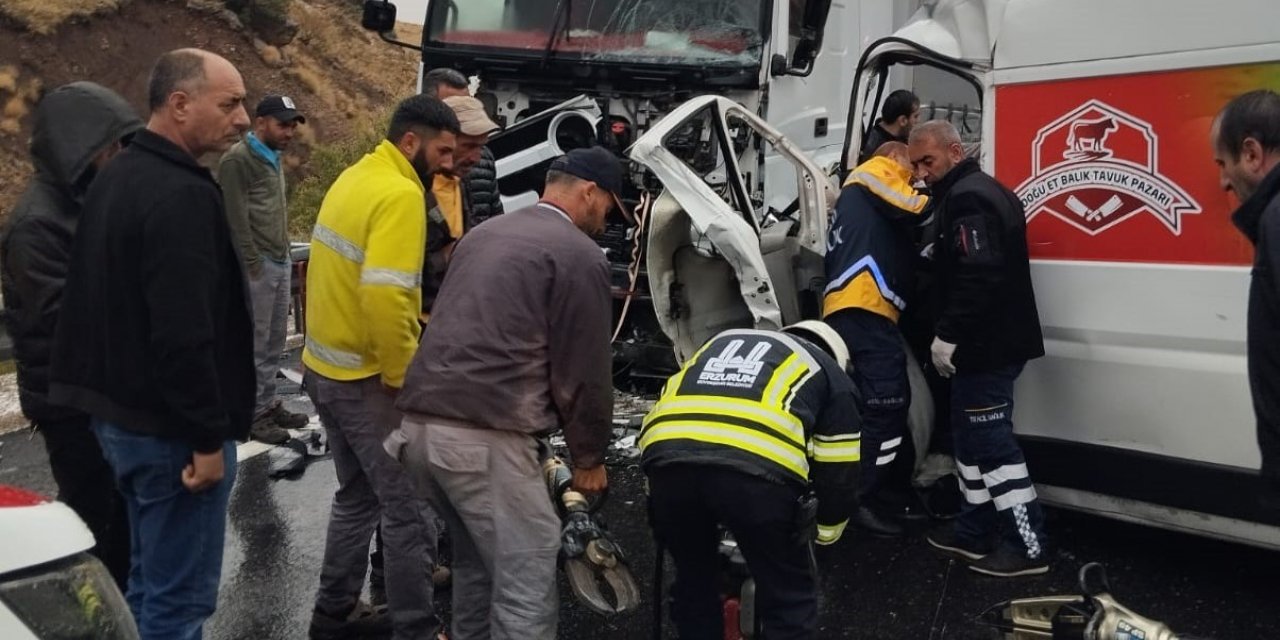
{"x":363,"y":299}
{"x":759,"y":433}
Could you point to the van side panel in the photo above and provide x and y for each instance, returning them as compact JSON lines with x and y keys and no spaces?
{"x":1141,"y":279}
{"x":1119,"y":168}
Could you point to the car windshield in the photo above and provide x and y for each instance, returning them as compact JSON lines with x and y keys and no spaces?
{"x":695,"y":32}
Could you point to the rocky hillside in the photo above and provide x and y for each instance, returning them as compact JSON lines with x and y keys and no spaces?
{"x":312,"y":50}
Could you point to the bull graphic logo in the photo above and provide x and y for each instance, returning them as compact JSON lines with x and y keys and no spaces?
{"x":1088,"y":138}
{"x":1098,"y":166}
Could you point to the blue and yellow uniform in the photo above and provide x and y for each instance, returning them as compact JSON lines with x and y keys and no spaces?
{"x":870,"y":277}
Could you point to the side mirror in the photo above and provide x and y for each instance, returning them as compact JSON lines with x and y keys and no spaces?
{"x":813,"y":26}
{"x":379,"y":16}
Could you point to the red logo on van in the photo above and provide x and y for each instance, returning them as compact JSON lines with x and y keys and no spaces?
{"x":1096,"y":167}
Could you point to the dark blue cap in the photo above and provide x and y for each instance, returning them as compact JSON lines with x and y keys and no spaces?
{"x":595,"y":164}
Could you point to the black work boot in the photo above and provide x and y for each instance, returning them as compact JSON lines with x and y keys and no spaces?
{"x":265,"y":429}
{"x":287,"y":419}
{"x":875,"y":524}
{"x":374,"y":624}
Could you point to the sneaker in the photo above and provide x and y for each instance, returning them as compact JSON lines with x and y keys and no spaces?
{"x":264,"y":429}
{"x":872,"y":523}
{"x":287,"y":419}
{"x":1009,"y":561}
{"x":945,"y":539}
{"x":369,"y":624}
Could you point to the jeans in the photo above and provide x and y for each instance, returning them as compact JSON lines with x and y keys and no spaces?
{"x":994,"y":478}
{"x":86,"y":484}
{"x":686,"y":503}
{"x":177,"y":536}
{"x":269,"y":293}
{"x":879,"y":360}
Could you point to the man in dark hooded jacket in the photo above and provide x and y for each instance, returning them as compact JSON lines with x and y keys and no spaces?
{"x":79,"y":127}
{"x":1246,"y":145}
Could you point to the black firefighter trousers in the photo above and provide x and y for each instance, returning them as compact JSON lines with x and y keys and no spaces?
{"x":687,"y":502}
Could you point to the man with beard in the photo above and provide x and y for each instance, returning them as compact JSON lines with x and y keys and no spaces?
{"x":899,"y":114}
{"x":253,"y":185}
{"x":363,"y":301}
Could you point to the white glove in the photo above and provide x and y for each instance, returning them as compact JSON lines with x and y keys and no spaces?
{"x":942,"y":352}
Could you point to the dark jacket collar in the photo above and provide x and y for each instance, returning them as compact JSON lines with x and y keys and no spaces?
{"x":159,"y":145}
{"x":1248,"y":217}
{"x":966,"y":167}
{"x":888,"y":135}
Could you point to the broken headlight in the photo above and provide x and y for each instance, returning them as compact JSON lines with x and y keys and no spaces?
{"x":69,"y":599}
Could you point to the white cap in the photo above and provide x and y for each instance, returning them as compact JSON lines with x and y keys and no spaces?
{"x":822,"y":333}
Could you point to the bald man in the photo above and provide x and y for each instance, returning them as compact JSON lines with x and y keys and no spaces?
{"x":155,"y":341}
{"x":986,"y":331}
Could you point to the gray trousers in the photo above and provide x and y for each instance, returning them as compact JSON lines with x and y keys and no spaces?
{"x":269,"y":294}
{"x":372,"y":488}
{"x":488,"y":487}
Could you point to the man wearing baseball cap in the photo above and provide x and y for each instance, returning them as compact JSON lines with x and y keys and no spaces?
{"x":252,"y":179}
{"x":518,"y":346}
{"x":449,"y":210}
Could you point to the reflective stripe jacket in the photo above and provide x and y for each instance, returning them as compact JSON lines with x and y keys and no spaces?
{"x":869,"y":248}
{"x":363,"y":281}
{"x":768,"y":404}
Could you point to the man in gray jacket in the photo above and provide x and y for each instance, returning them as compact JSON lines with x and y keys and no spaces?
{"x":503,"y":362}
{"x":253,"y":184}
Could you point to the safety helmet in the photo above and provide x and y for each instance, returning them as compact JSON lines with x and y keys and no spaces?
{"x":824,"y":336}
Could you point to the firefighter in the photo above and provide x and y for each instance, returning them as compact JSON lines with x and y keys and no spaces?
{"x":758,"y":433}
{"x":870,"y":269}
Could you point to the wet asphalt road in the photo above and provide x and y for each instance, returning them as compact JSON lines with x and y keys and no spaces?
{"x":871,"y":588}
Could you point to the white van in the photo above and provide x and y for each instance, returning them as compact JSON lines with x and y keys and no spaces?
{"x":1097,"y":114}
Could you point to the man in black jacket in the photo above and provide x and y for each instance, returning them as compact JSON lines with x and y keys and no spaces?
{"x":79,"y":127}
{"x":900,"y":112}
{"x":155,"y":340}
{"x":987,"y":329}
{"x":1246,"y":145}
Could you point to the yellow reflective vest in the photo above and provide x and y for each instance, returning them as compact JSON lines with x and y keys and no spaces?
{"x":365,"y":274}
{"x":767,"y":404}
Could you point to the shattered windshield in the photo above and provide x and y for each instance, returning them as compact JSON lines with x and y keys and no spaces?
{"x":695,"y":32}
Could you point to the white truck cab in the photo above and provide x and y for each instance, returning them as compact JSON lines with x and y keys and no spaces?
{"x":562,"y":74}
